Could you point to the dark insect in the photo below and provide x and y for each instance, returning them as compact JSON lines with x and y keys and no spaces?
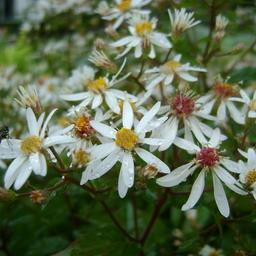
{"x":4,"y":133}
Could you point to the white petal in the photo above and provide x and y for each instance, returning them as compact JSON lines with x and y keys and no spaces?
{"x":43,"y":165}
{"x":153,"y":141}
{"x":23,"y":175}
{"x":42,"y":133}
{"x":103,"y":129}
{"x":236,"y":189}
{"x":221,"y":112}
{"x":154,"y":82}
{"x":170,"y":133}
{"x":224,"y":175}
{"x":230,"y":165}
{"x":220,"y":196}
{"x":138,"y":51}
{"x":97,"y":101}
{"x":57,"y":139}
{"x":186,"y":76}
{"x":215,"y":138}
{"x":152,"y":160}
{"x":251,"y":158}
{"x":186,"y":145}
{"x":13,"y":171}
{"x":236,"y":115}
{"x":107,"y":163}
{"x":196,"y":130}
{"x":112,"y":102}
{"x":122,"y":41}
{"x":35,"y":162}
{"x":75,"y":96}
{"x":127,"y":116}
{"x":32,"y":122}
{"x":103,"y":150}
{"x":122,"y":188}
{"x":196,"y":192}
{"x":160,"y":40}
{"x":127,"y":169}
{"x":147,"y":117}
{"x":177,"y":176}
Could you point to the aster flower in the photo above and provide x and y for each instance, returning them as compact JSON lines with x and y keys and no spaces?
{"x":120,"y":145}
{"x":29,"y":152}
{"x":208,"y":158}
{"x":143,"y":37}
{"x":248,"y":171}
{"x":184,"y":110}
{"x":181,"y":20}
{"x":100,"y":89}
{"x":123,"y":10}
{"x":81,"y":77}
{"x":167,"y":72}
{"x":219,"y":97}
{"x":249,"y":108}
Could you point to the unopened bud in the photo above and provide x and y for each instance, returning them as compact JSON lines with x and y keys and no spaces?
{"x":38,"y":196}
{"x":100,"y":44}
{"x":111,"y":32}
{"x":149,"y":171}
{"x":28,"y":98}
{"x":101,"y":60}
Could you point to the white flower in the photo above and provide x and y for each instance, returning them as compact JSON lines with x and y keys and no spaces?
{"x":210,"y":251}
{"x":98,"y":90}
{"x":185,"y":110}
{"x":248,"y":171}
{"x":81,"y":77}
{"x":28,"y":152}
{"x":143,"y":37}
{"x":121,"y":144}
{"x":123,"y":10}
{"x":249,"y":108}
{"x":181,"y":20}
{"x":166,"y":72}
{"x":220,"y":96}
{"x":208,"y":159}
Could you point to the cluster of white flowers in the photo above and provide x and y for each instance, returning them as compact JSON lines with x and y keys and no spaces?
{"x":112,"y":124}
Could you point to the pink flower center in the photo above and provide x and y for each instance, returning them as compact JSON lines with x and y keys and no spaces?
{"x":208,"y":157}
{"x":224,"y":90}
{"x":182,"y":106}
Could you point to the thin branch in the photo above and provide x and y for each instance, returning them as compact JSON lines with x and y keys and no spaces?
{"x":160,"y":202}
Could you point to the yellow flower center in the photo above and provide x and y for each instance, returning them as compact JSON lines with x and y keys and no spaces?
{"x":170,"y":66}
{"x":143,"y":28}
{"x":50,"y":88}
{"x":82,"y":127}
{"x":81,"y":157}
{"x":126,"y":138}
{"x":252,"y":105}
{"x":124,"y":5}
{"x":250,"y":178}
{"x":97,"y":85}
{"x":32,"y":144}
